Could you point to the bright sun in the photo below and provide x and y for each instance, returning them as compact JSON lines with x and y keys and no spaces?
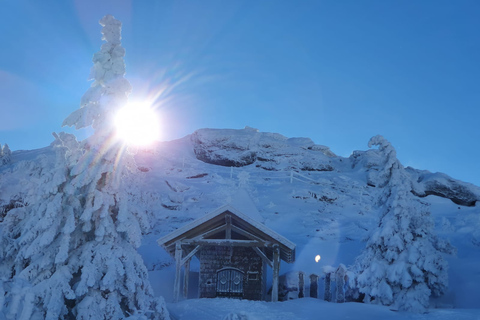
{"x":137,"y":124}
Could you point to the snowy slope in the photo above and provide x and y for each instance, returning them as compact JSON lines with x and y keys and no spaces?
{"x":328,"y":206}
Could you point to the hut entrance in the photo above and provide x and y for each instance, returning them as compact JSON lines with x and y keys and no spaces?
{"x":230,"y":283}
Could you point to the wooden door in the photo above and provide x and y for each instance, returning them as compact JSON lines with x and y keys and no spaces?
{"x":230,"y":283}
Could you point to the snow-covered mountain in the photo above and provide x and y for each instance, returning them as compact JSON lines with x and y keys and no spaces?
{"x":326,"y":204}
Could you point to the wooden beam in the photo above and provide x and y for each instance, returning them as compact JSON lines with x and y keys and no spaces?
{"x":245,"y":233}
{"x":209,"y":220}
{"x":228,"y":230}
{"x":178,"y":267}
{"x":263,"y":256}
{"x":211,"y":232}
{"x":226,"y":242}
{"x":276,"y":272}
{"x":190,"y":255}
{"x":185,"y":279}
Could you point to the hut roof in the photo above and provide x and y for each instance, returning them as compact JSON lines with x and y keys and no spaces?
{"x":207,"y":225}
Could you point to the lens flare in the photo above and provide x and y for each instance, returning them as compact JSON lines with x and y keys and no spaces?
{"x":317,"y":258}
{"x":137,"y":124}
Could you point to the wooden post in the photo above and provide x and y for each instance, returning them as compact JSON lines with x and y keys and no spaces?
{"x":178,"y":268}
{"x":328,"y":295}
{"x":291,"y":176}
{"x":340,"y":282}
{"x":313,"y":286}
{"x":264,"y":280}
{"x":276,"y":272}
{"x":228,"y":230}
{"x":185,"y":279}
{"x":301,"y":284}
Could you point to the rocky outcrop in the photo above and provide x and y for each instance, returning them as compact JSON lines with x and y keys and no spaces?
{"x":440,"y":184}
{"x":269,"y":151}
{"x":224,"y":147}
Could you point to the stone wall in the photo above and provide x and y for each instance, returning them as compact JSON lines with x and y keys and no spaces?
{"x":243,"y":258}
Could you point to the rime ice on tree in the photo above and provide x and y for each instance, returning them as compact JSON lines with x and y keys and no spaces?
{"x":110,"y":90}
{"x":5,"y":154}
{"x":72,"y":254}
{"x":402,"y":265}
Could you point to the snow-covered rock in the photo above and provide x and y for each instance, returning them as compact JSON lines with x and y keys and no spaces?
{"x":440,"y":184}
{"x":269,"y":151}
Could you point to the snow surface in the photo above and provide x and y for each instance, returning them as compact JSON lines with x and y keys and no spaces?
{"x":331,"y":213}
{"x":301,"y":309}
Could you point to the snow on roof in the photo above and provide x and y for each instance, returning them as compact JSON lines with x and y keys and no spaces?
{"x":286,"y":246}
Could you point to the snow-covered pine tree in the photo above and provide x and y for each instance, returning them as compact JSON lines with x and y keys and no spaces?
{"x":402,"y":264}
{"x":73,"y":255}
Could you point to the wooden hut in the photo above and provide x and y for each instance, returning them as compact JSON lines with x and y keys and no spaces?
{"x":234,"y":251}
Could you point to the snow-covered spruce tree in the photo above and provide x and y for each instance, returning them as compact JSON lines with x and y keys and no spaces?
{"x":402,"y":264}
{"x":73,"y":255}
{"x":5,"y":154}
{"x":25,"y":243}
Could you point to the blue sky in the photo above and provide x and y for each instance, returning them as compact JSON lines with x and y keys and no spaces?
{"x":338,"y":72}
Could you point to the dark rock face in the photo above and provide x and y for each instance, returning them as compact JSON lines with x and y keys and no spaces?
{"x":320,"y":167}
{"x":269,"y":151}
{"x":210,"y":155}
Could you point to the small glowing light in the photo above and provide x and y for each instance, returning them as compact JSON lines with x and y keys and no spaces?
{"x":137,"y":124}
{"x":317,"y":258}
